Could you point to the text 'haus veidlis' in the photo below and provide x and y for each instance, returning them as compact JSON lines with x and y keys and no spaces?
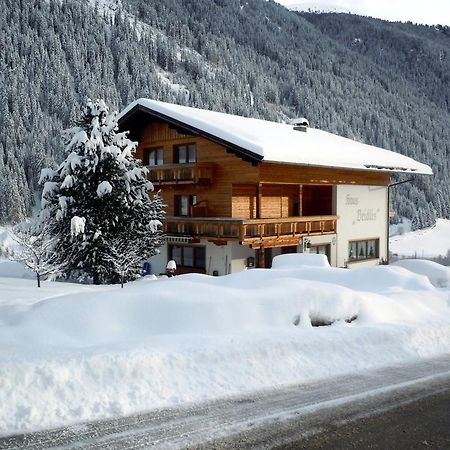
{"x":240,"y":191}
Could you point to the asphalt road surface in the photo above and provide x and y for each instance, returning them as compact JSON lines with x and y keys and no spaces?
{"x":400,"y":407}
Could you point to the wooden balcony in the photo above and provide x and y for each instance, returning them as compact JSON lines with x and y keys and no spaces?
{"x":196,"y":173}
{"x":254,"y":232}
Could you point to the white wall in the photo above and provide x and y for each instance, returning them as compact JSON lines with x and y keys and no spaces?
{"x":218,"y":257}
{"x":362,"y":212}
{"x":239,"y":254}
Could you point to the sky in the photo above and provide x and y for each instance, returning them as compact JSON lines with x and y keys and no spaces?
{"x":419,"y":11}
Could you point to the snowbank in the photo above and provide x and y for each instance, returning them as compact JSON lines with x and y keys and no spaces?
{"x":438,"y":274}
{"x":70,"y":353}
{"x":295,"y":260}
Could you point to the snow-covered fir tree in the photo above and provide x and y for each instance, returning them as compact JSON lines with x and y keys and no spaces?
{"x":424,"y":217}
{"x":98,"y":196}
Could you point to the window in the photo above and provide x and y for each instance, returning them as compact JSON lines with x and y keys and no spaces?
{"x":153,"y":157}
{"x":372,"y":249}
{"x":185,"y":154}
{"x":361,"y":250}
{"x":187,"y":256}
{"x":183,"y":204}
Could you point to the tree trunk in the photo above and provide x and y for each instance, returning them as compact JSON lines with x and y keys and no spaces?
{"x":38,"y":278}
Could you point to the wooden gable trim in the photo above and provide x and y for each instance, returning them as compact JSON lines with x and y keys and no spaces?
{"x":240,"y":152}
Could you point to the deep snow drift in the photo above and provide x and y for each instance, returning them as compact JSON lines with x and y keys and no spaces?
{"x":438,"y":274}
{"x":70,"y":352}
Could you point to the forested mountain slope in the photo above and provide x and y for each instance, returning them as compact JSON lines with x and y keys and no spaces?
{"x":382,"y":83}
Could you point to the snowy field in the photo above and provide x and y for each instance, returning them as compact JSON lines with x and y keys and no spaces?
{"x":428,"y":243}
{"x":70,"y":353}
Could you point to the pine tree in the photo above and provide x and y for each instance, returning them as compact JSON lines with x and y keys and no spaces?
{"x":99,"y":194}
{"x":415,"y":222}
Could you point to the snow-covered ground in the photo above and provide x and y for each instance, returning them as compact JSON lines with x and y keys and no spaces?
{"x":70,"y":353}
{"x":428,"y":243}
{"x":438,"y":274}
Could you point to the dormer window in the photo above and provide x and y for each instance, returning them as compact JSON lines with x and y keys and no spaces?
{"x":185,"y":154}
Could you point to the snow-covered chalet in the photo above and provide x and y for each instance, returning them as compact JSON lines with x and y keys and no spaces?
{"x":240,"y":191}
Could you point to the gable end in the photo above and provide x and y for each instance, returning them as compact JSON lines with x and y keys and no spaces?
{"x":139,"y":112}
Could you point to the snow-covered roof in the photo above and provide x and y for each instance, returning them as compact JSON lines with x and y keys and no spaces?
{"x":262,"y":140}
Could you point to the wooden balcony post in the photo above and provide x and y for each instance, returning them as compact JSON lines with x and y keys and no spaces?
{"x":243,"y":232}
{"x":258,"y":200}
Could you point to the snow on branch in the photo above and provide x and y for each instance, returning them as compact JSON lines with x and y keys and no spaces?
{"x":104,"y":188}
{"x":124,"y":255}
{"x":77,"y":225}
{"x":37,"y":251}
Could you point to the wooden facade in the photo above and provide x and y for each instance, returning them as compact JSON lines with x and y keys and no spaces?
{"x":225,"y":186}
{"x":215,"y":194}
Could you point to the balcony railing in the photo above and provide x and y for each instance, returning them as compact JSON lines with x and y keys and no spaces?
{"x":285,"y":230}
{"x":196,"y":173}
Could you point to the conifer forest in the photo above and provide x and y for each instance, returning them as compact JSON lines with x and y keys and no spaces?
{"x":383,"y":83}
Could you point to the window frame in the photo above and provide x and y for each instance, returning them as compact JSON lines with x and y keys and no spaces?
{"x":181,"y":260}
{"x":178,"y":204}
{"x":187,"y":153}
{"x":156,"y":152}
{"x":360,"y":244}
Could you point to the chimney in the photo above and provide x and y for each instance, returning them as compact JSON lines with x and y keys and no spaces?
{"x":300,"y":124}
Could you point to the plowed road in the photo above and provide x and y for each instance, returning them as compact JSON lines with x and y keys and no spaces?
{"x":405,"y":406}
